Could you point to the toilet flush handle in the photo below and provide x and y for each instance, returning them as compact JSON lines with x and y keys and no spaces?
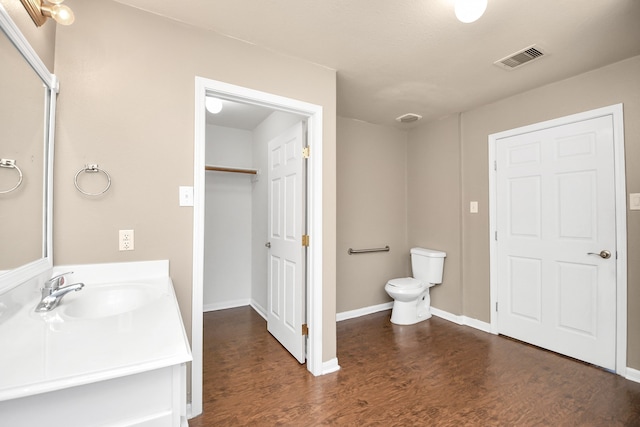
{"x":268,"y":244}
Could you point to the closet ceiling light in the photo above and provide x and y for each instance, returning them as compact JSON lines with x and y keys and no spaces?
{"x":40,"y":10}
{"x":468,"y":11}
{"x":213,"y":105}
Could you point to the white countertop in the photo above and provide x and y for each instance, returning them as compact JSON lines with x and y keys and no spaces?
{"x":50,"y":351}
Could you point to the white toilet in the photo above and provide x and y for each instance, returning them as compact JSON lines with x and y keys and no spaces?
{"x":412,"y":303}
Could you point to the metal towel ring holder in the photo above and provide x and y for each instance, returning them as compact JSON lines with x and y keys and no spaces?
{"x":92,"y":168}
{"x":11,"y":164}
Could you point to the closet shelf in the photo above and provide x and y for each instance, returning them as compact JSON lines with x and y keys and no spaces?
{"x":231,"y":169}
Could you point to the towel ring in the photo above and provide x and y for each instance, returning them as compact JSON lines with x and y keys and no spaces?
{"x":11,"y":164}
{"x":92,"y":168}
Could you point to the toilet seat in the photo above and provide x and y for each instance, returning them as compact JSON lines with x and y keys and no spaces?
{"x":406,"y":283}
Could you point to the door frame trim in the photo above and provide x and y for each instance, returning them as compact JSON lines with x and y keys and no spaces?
{"x":616,"y":112}
{"x":314,"y":116}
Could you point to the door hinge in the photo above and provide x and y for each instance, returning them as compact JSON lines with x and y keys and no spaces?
{"x":496,"y":305}
{"x":305,"y":240}
{"x":495,"y":165}
{"x":495,"y":236}
{"x":306,"y":152}
{"x":305,"y":330}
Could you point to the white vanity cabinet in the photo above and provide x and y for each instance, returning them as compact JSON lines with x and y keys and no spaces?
{"x":149,"y":399}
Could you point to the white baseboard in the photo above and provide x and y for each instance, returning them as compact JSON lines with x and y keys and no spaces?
{"x":330,"y":366}
{"x":190,"y":413}
{"x":224,"y":305}
{"x":459,"y":320}
{"x":259,"y":309}
{"x":363,"y":311}
{"x":462,"y":320}
{"x":235,"y":304}
{"x":633,"y":375}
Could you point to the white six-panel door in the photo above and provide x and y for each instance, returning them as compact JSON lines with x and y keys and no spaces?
{"x":555,"y":216}
{"x":286,"y":268}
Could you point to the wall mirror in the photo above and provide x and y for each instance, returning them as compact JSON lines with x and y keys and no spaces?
{"x":27,"y":118}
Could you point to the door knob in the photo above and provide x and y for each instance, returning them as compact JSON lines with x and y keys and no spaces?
{"x":602,"y":254}
{"x":268,"y":244}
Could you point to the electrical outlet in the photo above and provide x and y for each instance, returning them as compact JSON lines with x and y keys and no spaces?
{"x":125,"y":240}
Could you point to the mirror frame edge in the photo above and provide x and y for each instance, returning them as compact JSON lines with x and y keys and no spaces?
{"x":40,"y":268}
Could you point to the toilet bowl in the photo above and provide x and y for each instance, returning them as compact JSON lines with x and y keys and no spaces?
{"x":411,"y":300}
{"x":412,"y":303}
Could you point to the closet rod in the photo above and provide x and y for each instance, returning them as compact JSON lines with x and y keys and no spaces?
{"x":230,"y":169}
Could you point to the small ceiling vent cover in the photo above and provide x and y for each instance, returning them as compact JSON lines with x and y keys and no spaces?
{"x":520,"y":58}
{"x":409,"y":118}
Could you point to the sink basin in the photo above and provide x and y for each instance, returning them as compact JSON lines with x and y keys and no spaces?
{"x":109,"y":300}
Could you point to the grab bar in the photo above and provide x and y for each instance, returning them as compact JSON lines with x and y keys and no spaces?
{"x":366,"y":251}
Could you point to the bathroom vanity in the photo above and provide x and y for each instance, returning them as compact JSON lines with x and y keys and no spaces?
{"x":112,"y":354}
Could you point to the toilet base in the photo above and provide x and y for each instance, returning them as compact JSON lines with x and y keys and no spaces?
{"x":411,"y":312}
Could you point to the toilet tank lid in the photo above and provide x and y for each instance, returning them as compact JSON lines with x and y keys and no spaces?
{"x":428,"y":252}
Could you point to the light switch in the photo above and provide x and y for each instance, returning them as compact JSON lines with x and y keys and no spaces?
{"x":186,"y":196}
{"x":634,"y":201}
{"x":473,"y":207}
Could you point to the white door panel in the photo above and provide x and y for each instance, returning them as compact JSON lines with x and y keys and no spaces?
{"x":525,"y":281}
{"x":556,"y":204}
{"x":286,"y":296}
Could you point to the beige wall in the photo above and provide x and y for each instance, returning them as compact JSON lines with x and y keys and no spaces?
{"x":434,"y":203}
{"x":402,"y":189}
{"x":372,"y":165}
{"x":617,"y":83}
{"x":127,"y":103}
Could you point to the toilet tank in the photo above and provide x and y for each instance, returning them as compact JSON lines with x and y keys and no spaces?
{"x":427,"y":264}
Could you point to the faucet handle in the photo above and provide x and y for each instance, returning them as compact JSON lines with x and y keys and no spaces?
{"x":56,"y":281}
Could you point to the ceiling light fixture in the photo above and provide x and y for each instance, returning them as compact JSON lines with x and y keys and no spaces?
{"x":213,"y":105}
{"x":468,"y":11}
{"x":40,"y":10}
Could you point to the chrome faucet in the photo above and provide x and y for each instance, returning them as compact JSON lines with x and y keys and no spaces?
{"x":54,"y":289}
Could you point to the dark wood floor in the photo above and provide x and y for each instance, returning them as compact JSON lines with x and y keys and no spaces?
{"x":434,"y":373}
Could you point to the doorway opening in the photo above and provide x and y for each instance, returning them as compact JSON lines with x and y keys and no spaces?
{"x":312,"y":115}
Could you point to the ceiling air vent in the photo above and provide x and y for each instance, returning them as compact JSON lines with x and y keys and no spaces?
{"x":409,"y":118}
{"x":521,"y":57}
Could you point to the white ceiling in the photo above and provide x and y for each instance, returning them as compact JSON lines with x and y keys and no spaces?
{"x":394,"y":57}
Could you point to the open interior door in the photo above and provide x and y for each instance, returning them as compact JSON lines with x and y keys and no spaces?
{"x":286,"y":267}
